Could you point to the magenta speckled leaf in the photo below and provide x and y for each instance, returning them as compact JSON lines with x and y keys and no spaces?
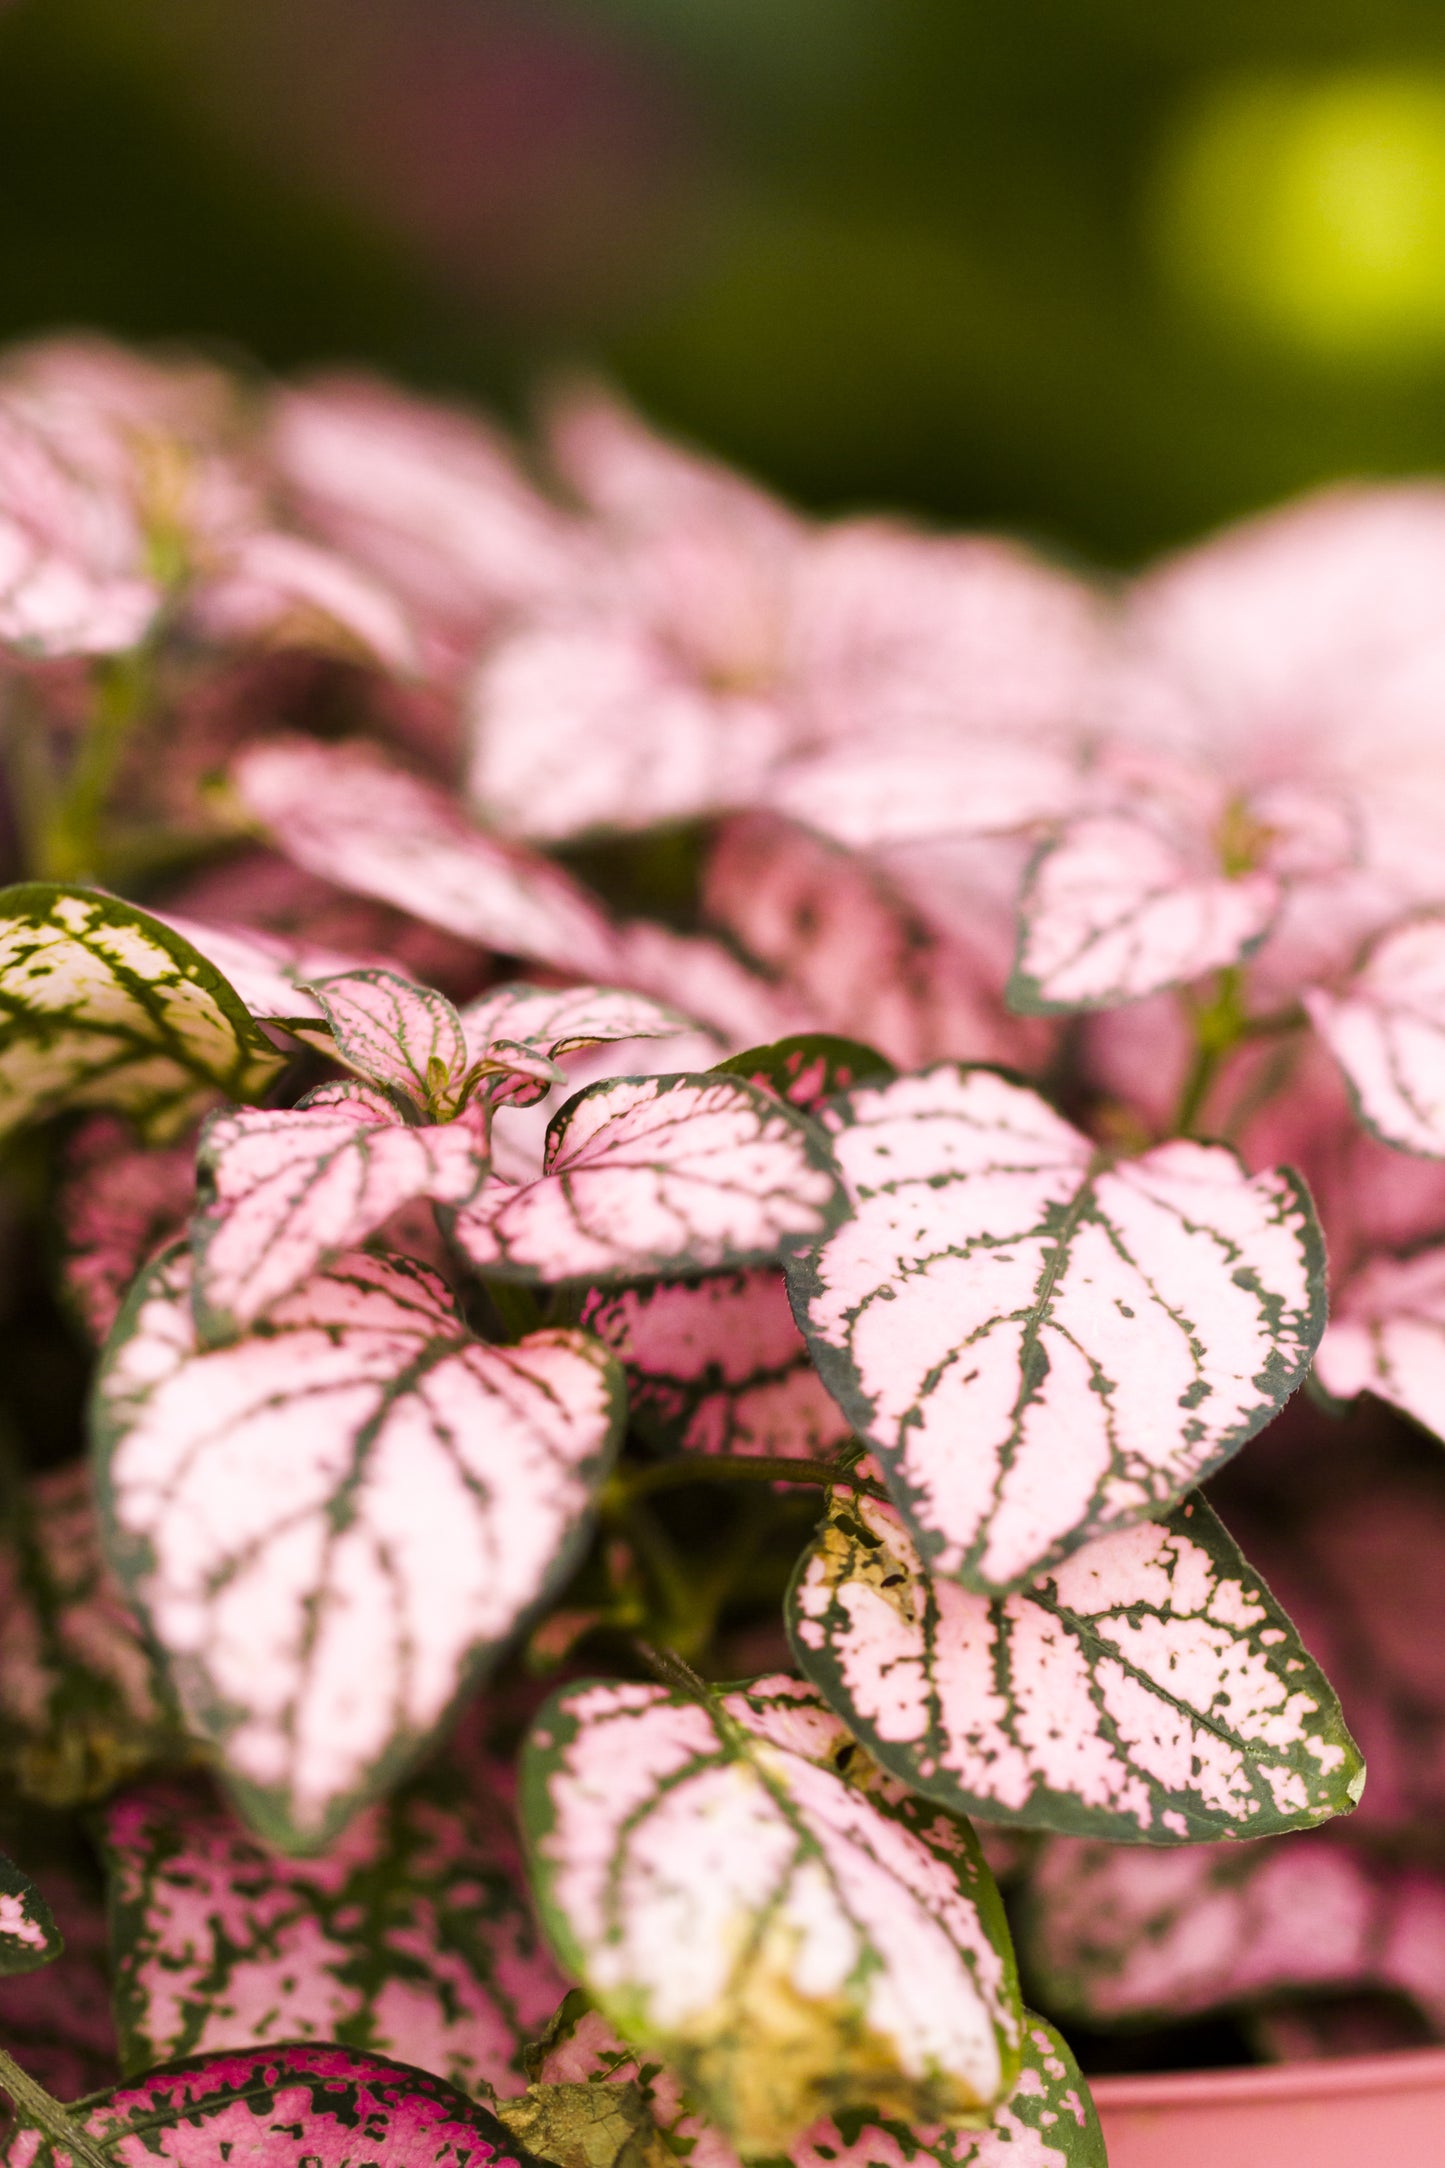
{"x":57,"y":2021}
{"x":118,"y":1203}
{"x":329,"y":1526}
{"x":1387,"y":1032}
{"x":1117,"y":1935}
{"x":717,"y":1365}
{"x":285,"y":2107}
{"x":1113,"y":910}
{"x":346,"y":814}
{"x":649,"y":1175}
{"x":1040,"y":1344}
{"x":29,"y":1937}
{"x":561,"y":1020}
{"x":792,"y":1940}
{"x":1150,"y":1689}
{"x":285,"y":1193}
{"x":103,"y":1005}
{"x":1387,"y":1337}
{"x":809,"y":1067}
{"x":412,"y":1935}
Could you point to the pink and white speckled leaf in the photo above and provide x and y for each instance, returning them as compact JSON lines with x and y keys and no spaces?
{"x":345,"y":813}
{"x":809,"y":1067}
{"x":1387,"y":1337}
{"x":793,"y":1941}
{"x":1387,"y":1032}
{"x":29,"y":1937}
{"x":717,"y":1365}
{"x":103,"y":1005}
{"x":405,"y":1038}
{"x":647,"y":1175}
{"x":1113,"y":909}
{"x":1039,"y":1343}
{"x":1117,"y":1935}
{"x":709,"y":981}
{"x":285,"y":1193}
{"x":1150,"y":1689}
{"x":287,"y":2107}
{"x":331,"y":1525}
{"x":271,"y":973}
{"x":561,"y":1020}
{"x":118,"y":1203}
{"x":412,"y":1935}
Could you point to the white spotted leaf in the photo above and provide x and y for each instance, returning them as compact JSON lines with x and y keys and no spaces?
{"x":794,"y":1942}
{"x":29,"y":1937}
{"x":649,"y":1175}
{"x":103,"y":1005}
{"x":403,"y":1037}
{"x":562,"y":1020}
{"x":331,"y":1525}
{"x":1386,"y":1029}
{"x":1040,"y":1343}
{"x":1149,"y":1689}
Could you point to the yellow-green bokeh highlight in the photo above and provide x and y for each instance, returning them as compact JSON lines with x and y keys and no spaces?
{"x":1309,"y":214}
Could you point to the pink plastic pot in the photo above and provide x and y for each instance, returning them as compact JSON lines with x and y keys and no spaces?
{"x":1370,"y":2111}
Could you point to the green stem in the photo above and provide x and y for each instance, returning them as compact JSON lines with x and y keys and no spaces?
{"x":69,"y":845}
{"x":41,"y":2111}
{"x":1218,"y":1027}
{"x":632,"y":1483}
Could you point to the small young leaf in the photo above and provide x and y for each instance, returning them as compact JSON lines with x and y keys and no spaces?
{"x":1113,"y":910}
{"x":1149,"y":1690}
{"x":403,"y":1037}
{"x":560,"y":1020}
{"x":663,"y":1174}
{"x":57,"y":2022}
{"x":330,"y":1525}
{"x":809,"y":1067}
{"x":287,"y":2107}
{"x":118,"y":1203}
{"x":1387,"y":1032}
{"x":29,"y":1937}
{"x":285,"y":1193}
{"x":717,"y":1365}
{"x":794,"y":1942}
{"x":412,"y":1935}
{"x":1042,"y":1346}
{"x":1387,"y":1337}
{"x":102,"y":1005}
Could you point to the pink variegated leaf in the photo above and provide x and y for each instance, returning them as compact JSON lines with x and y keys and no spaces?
{"x":103,"y":1005}
{"x":1387,"y":1337}
{"x":287,"y":2107}
{"x":271,"y":972}
{"x":330,"y":1526}
{"x":56,"y":2022}
{"x":288,"y":592}
{"x":403,"y":1037}
{"x":1113,"y":910}
{"x":707,"y":980}
{"x":562,"y":1020}
{"x":717,"y":1366}
{"x":1115,"y":1935}
{"x":872,"y":795}
{"x":285,"y":1193}
{"x":343,"y":812}
{"x":413,"y":1932}
{"x":1387,"y":1032}
{"x":809,"y":1067}
{"x":1150,"y":1689}
{"x":1042,"y":1345}
{"x":647,"y":1175}
{"x":118,"y":1203}
{"x":29,"y":1937}
{"x":793,"y":1941}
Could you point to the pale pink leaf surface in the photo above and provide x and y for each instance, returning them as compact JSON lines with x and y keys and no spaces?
{"x":71,"y":577}
{"x":872,"y":796}
{"x":271,"y":972}
{"x":656,"y":1174}
{"x":519,"y":1126}
{"x":709,"y":982}
{"x":57,"y":2022}
{"x":793,"y":1941}
{"x":1149,"y":1689}
{"x":288,"y":591}
{"x":297,"y":2106}
{"x":404,"y":1037}
{"x":1048,"y":2121}
{"x":118,"y":1202}
{"x":29,"y":1937}
{"x":347,"y":814}
{"x":1114,"y":909}
{"x":330,"y":1526}
{"x":1119,"y":1935}
{"x":1042,"y":1346}
{"x":412,"y":1935}
{"x":562,"y":1020}
{"x":285,"y":1193}
{"x":717,"y":1365}
{"x":1386,"y":1029}
{"x":103,"y":1005}
{"x":1387,"y":1337}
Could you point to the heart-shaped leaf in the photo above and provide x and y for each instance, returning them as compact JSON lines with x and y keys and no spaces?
{"x":118,"y":1203}
{"x":331,"y":1524}
{"x":29,"y":1937}
{"x":1150,"y":1689}
{"x":1041,"y":1345}
{"x":285,"y":1193}
{"x":1113,"y":909}
{"x":412,"y":1934}
{"x":648,"y":1175}
{"x":809,"y":1067}
{"x":793,"y":1942}
{"x":102,"y":1005}
{"x":1387,"y":1337}
{"x":560,"y":1020}
{"x":1387,"y":1032}
{"x":403,"y":1037}
{"x":717,"y":1365}
{"x":288,"y":2107}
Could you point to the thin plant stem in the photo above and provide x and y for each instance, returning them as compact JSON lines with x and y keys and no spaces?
{"x":70,"y":843}
{"x":41,"y":2111}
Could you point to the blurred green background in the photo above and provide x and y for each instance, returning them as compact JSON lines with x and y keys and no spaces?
{"x":1105,"y":272}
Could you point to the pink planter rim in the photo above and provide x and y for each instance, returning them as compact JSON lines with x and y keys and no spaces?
{"x":1406,"y":2070}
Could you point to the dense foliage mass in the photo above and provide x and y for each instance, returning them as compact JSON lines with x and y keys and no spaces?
{"x":553,"y":1028}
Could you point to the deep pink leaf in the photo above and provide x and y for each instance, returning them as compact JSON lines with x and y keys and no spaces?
{"x":29,"y":1937}
{"x":331,"y":1525}
{"x":118,"y":1203}
{"x":57,"y":2022}
{"x":655,"y":1174}
{"x":1040,"y":1345}
{"x":1387,"y":1031}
